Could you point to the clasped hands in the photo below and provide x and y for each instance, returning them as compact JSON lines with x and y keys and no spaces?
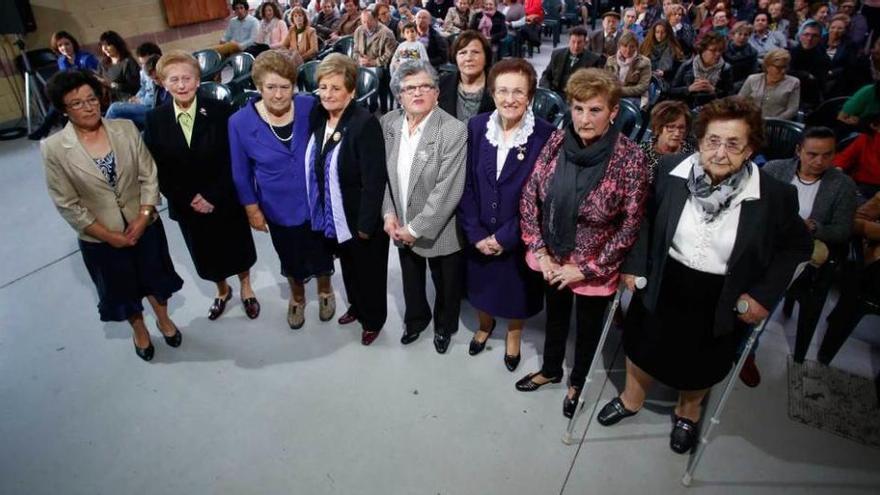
{"x":398,"y":233}
{"x":554,"y":273}
{"x":489,"y":246}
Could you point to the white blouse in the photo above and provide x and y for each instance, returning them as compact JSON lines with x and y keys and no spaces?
{"x":495,"y":136}
{"x":704,"y":245}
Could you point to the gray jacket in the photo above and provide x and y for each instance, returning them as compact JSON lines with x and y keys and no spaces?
{"x":436,"y":181}
{"x":835,"y":202}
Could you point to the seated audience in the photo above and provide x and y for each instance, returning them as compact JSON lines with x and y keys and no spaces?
{"x":350,"y":20}
{"x":302,"y":38}
{"x":490,"y":23}
{"x":566,"y":61}
{"x":629,"y":24}
{"x":776,"y":93}
{"x":241,"y":32}
{"x":663,"y":50}
{"x":409,"y":49}
{"x":741,"y":56}
{"x":150,"y":93}
{"x":458,"y":18}
{"x":631,"y":69}
{"x":374,"y":46}
{"x":684,"y":32}
{"x":434,"y":42}
{"x":670,"y":133}
{"x":118,"y":72}
{"x":810,"y":63}
{"x":704,"y":77}
{"x":603,"y":41}
{"x":764,"y":39}
{"x":861,"y":159}
{"x":327,"y":21}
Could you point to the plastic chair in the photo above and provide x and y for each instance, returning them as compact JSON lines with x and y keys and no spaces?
{"x":215,"y":91}
{"x":343,"y":45}
{"x":306,"y":80}
{"x":629,"y":120}
{"x":572,"y":15}
{"x":782,"y":138}
{"x":241,"y":99}
{"x":826,"y":115}
{"x":367,"y":85}
{"x":210,"y":63}
{"x":549,"y":106}
{"x":552,"y":20}
{"x":241,"y":64}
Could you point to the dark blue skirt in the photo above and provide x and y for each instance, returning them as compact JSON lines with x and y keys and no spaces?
{"x":303,"y":252}
{"x":124,"y":276}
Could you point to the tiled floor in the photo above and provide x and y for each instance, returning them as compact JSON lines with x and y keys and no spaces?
{"x":252,"y":407}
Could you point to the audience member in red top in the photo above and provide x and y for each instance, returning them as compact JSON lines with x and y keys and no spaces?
{"x":861,"y":159}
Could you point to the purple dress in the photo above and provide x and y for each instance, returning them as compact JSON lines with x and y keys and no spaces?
{"x":502,"y":286}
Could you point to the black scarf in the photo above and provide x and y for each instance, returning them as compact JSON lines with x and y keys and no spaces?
{"x":578,"y":171}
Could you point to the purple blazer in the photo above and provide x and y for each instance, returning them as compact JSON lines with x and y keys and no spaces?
{"x":489,"y":206}
{"x":268,"y":172}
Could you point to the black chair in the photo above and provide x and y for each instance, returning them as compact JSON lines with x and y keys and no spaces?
{"x":782,"y":137}
{"x":215,"y":91}
{"x":43,"y":65}
{"x":241,"y":99}
{"x":241,"y":64}
{"x":629,"y":120}
{"x":571,"y":16}
{"x":549,"y":106}
{"x":446,"y":68}
{"x":343,"y":45}
{"x":306,"y":79}
{"x":843,"y":143}
{"x":210,"y":63}
{"x":367,"y":85}
{"x":859,"y":297}
{"x":826,"y":115}
{"x":811,"y":89}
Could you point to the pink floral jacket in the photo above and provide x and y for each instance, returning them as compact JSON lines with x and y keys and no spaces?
{"x":609,"y":219}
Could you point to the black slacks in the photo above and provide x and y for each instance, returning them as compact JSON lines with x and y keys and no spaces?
{"x":447,"y":275}
{"x":589,"y":313}
{"x":365,"y":275}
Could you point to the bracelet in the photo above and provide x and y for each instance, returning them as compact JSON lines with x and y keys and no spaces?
{"x":146,"y":212}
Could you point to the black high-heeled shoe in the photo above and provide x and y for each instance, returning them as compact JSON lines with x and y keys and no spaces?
{"x":145,"y":353}
{"x":510,"y":361}
{"x":569,"y":404}
{"x":174,"y":340}
{"x":476,"y":346}
{"x":527,"y":385}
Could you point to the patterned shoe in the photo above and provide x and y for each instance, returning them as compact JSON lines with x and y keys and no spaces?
{"x":327,"y":306}
{"x":296,"y":315}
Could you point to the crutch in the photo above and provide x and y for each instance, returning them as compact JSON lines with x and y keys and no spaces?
{"x":566,"y":437}
{"x":715,"y":419}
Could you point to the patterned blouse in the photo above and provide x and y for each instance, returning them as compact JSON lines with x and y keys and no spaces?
{"x":609,"y":219}
{"x":107,"y":166}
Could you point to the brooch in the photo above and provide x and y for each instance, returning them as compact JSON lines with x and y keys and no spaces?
{"x":337,"y":136}
{"x":423,"y":155}
{"x":522,"y":153}
{"x":203,"y":112}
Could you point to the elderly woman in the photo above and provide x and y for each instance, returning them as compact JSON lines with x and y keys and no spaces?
{"x":683,"y":31}
{"x":670,"y":133}
{"x":345,"y":162}
{"x":188,"y":138}
{"x":847,"y":67}
{"x":463,"y":92}
{"x":327,"y":20}
{"x":119,"y":71}
{"x":267,"y":141}
{"x":719,"y":244}
{"x":103,"y":181}
{"x":740,"y":55}
{"x":662,"y":49}
{"x":301,"y":38}
{"x":502,"y":149}
{"x":631,"y":69}
{"x":350,"y":20}
{"x":706,"y":76}
{"x":272,"y":32}
{"x":777,"y":94}
{"x":581,"y":210}
{"x":457,"y":18}
{"x":425,"y":151}
{"x":491,"y":23}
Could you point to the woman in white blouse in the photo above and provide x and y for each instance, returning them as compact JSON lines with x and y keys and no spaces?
{"x":777,"y":94}
{"x":719,"y":244}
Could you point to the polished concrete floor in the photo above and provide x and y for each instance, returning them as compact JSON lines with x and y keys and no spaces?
{"x":253,"y":407}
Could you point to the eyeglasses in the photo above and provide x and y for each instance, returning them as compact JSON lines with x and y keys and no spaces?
{"x":712,"y":143}
{"x":672,"y":129}
{"x":417,"y":88}
{"x":517,"y":93}
{"x":80,"y":104}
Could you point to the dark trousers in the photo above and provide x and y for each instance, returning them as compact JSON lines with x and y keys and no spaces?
{"x":365,"y":275}
{"x":447,"y":273}
{"x":811,"y":291}
{"x":589,"y":314}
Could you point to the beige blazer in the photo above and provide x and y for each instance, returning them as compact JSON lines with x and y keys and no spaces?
{"x":308,"y":48}
{"x":79,"y":190}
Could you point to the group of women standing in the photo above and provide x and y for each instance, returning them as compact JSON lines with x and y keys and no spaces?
{"x":550,"y":216}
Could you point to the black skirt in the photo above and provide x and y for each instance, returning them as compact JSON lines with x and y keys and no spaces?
{"x":124,"y":276}
{"x":676,"y":344}
{"x":220,"y":243}
{"x":303,"y":252}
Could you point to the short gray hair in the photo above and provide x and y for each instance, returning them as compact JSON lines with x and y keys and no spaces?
{"x":411,"y":68}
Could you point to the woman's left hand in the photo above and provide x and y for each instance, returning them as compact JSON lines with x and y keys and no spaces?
{"x":566,"y":275}
{"x":136,"y":228}
{"x":755,"y":313}
{"x":201,"y":205}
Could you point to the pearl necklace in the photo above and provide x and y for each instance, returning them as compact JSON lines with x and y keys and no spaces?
{"x":265,"y":115}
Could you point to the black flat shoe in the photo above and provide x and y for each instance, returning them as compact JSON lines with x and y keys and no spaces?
{"x":174,"y":340}
{"x":441,"y":342}
{"x":527,"y":385}
{"x":569,"y":404}
{"x":613,"y":412}
{"x":684,"y":435}
{"x":146,"y":353}
{"x":511,"y":362}
{"x":476,"y":346}
{"x":219,"y":306}
{"x":251,"y":307}
{"x":410,"y":336}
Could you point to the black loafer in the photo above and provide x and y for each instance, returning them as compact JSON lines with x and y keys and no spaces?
{"x":219,"y":306}
{"x":527,"y":385}
{"x":441,"y":342}
{"x":251,"y":307}
{"x":174,"y":340}
{"x":410,"y":336}
{"x":511,"y":362}
{"x":684,"y":435}
{"x":146,"y":353}
{"x":476,"y":346}
{"x":569,"y":404}
{"x":613,"y":412}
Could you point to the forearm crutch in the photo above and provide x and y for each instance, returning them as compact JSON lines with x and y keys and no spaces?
{"x":597,"y":355}
{"x":715,"y":419}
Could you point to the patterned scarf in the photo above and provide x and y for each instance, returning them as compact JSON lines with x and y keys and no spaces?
{"x":711,"y":73}
{"x":710,"y":199}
